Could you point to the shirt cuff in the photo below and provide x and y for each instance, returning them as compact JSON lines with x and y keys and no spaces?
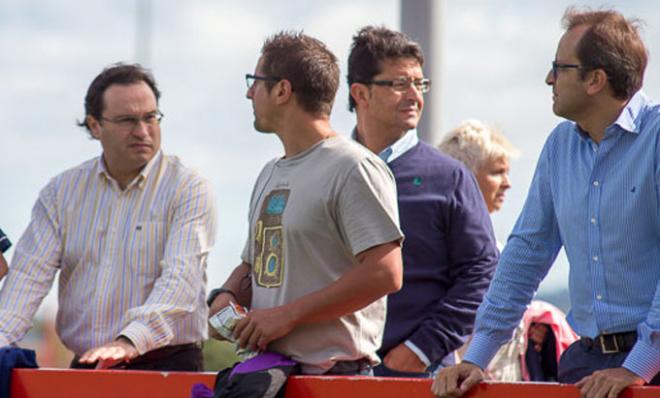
{"x":140,"y":335}
{"x":481,"y":350}
{"x":643,"y":360}
{"x":420,"y":354}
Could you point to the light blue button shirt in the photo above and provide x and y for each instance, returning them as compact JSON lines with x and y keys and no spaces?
{"x":602,"y":203}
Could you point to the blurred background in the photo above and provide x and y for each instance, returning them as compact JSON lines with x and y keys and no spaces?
{"x":492,"y":65}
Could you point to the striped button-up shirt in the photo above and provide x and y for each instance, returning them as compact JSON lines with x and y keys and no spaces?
{"x":132,"y":262}
{"x":602,"y":203}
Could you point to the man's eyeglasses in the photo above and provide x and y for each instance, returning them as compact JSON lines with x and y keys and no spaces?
{"x":557,"y":66}
{"x":250,"y":79}
{"x":131,"y":122}
{"x":402,"y":84}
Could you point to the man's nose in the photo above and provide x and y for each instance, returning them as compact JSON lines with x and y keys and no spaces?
{"x":141,"y":129}
{"x":550,"y":78}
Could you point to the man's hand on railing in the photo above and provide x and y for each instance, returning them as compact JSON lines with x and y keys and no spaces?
{"x":111,"y":354}
{"x":607,"y":383}
{"x":455,"y":381}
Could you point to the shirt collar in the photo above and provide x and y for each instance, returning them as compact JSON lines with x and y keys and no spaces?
{"x":627,"y":121}
{"x":398,"y":148}
{"x":139,"y":180}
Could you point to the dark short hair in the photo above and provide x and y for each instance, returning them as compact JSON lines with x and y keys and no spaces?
{"x":307,"y":64}
{"x":373,"y":45}
{"x":119,"y":73}
{"x":612,"y":43}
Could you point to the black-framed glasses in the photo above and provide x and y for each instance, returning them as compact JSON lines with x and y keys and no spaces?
{"x":250,"y":79}
{"x":556,"y":66}
{"x":130,"y":122}
{"x":402,"y":84}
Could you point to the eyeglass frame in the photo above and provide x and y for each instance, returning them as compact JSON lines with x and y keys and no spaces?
{"x":409,"y":82}
{"x":135,"y":120}
{"x":254,"y":78}
{"x":557,"y":66}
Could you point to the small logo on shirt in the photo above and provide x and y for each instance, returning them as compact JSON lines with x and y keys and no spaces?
{"x":417,"y":181}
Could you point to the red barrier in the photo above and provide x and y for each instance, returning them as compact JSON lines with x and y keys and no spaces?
{"x":56,"y":383}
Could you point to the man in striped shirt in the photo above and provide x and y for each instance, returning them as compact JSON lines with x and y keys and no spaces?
{"x":129,"y":231}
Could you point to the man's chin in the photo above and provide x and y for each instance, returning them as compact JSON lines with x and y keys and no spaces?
{"x":262,"y":129}
{"x":556,"y":109}
{"x":410,"y":124}
{"x":144,"y":157}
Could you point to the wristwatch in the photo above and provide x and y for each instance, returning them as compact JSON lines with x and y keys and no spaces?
{"x":216,"y":292}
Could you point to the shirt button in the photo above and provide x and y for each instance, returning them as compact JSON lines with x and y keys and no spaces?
{"x":599,"y":297}
{"x":596,"y":183}
{"x":593,"y":220}
{"x":595,"y":258}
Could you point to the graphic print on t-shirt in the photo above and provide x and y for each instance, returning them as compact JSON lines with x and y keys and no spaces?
{"x":269,"y":240}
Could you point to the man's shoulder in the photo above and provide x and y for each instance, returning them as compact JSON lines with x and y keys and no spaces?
{"x":340,"y":155}
{"x":83,"y":169}
{"x":432,"y":160}
{"x":180,"y":172}
{"x":435,"y":156}
{"x":345,"y":150}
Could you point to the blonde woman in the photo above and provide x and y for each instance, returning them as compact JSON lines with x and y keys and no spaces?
{"x":486,"y":152}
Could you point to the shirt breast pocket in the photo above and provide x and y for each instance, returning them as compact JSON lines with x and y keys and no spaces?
{"x":146,"y":247}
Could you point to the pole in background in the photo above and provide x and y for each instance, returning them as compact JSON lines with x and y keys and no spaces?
{"x":143,"y":28}
{"x":421,"y":20}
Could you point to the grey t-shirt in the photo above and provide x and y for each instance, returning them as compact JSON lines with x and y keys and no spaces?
{"x":310,"y":215}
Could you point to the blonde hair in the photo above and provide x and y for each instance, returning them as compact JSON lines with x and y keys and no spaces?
{"x":475,"y":143}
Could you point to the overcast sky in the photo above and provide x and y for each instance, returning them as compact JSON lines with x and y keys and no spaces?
{"x":495,"y":57}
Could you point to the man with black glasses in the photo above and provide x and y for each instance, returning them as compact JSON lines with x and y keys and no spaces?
{"x":129,"y":232}
{"x":323,"y":247}
{"x":450,"y":252}
{"x":594,"y":192}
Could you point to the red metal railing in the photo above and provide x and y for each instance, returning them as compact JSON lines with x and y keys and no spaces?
{"x":56,"y":383}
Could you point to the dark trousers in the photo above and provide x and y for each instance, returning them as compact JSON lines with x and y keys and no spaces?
{"x":181,"y":358}
{"x":579,"y":361}
{"x":383,"y":371}
{"x":359,"y":367}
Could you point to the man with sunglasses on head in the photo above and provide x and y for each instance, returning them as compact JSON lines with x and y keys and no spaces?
{"x":594,"y":192}
{"x":450,"y":252}
{"x":323,"y":248}
{"x":129,"y":232}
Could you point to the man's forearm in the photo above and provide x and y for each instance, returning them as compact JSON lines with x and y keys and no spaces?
{"x":378,"y":273}
{"x":239,"y":284}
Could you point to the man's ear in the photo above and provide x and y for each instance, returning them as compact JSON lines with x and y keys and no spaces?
{"x":360,"y":94}
{"x":597,"y":81}
{"x":282,"y":91}
{"x":94,"y":126}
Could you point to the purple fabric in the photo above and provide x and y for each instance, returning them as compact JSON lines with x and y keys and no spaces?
{"x":265,"y":360}
{"x":200,"y":390}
